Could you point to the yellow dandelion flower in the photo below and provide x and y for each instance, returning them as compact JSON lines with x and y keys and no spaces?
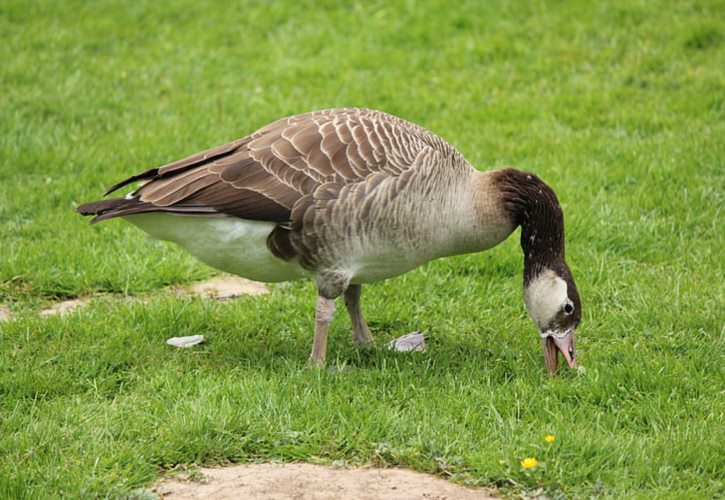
{"x":549,"y":438}
{"x":529,"y":463}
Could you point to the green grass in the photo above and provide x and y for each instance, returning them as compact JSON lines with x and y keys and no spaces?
{"x":619,"y":106}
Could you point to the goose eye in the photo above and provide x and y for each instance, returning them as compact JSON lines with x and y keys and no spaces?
{"x":568,"y":308}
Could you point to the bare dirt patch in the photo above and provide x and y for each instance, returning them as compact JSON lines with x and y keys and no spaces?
{"x":227,"y":288}
{"x":314,"y":482}
{"x":65,"y":307}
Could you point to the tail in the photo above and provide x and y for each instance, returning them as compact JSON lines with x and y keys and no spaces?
{"x":116,"y":207}
{"x":122,"y":207}
{"x":103,"y":209}
{"x":132,"y":204}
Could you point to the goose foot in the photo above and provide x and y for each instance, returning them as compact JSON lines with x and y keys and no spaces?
{"x":360,"y":332}
{"x":314,"y":365}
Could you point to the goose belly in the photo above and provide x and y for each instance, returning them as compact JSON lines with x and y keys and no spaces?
{"x":237,"y":246}
{"x":380,"y":264}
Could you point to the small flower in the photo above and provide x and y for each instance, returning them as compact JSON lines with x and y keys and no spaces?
{"x":549,"y":438}
{"x":529,"y":463}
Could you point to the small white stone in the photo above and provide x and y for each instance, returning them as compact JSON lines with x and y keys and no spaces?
{"x":184,"y":342}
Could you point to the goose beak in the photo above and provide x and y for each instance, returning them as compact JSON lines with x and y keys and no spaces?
{"x":555,"y":342}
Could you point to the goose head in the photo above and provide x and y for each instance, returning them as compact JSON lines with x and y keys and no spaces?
{"x":553,"y":303}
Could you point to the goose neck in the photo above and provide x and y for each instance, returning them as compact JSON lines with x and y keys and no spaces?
{"x":533,"y":205}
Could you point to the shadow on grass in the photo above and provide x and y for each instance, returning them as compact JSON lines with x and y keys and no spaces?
{"x":445,"y":355}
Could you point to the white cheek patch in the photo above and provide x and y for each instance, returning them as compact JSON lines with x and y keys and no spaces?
{"x":544,"y":297}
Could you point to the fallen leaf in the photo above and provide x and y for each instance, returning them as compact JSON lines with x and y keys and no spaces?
{"x":407,"y":343}
{"x":185,"y":342}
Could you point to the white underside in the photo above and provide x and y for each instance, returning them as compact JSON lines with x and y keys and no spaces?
{"x":237,"y":246}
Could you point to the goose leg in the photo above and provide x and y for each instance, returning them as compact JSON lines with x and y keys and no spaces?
{"x":324,"y":312}
{"x":360,"y":331}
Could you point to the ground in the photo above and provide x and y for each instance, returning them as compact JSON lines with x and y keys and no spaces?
{"x":313,"y":482}
{"x":617,"y":105}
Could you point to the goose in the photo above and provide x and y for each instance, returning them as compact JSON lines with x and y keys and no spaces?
{"x":351,"y":196}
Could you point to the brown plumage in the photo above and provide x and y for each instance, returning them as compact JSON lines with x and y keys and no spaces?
{"x":348,"y":195}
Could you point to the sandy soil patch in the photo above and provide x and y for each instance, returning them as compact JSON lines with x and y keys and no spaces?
{"x":65,"y":307}
{"x":314,"y":482}
{"x":214,"y":289}
{"x":227,"y":288}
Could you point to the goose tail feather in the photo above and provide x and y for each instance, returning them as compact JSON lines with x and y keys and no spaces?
{"x":101,"y":208}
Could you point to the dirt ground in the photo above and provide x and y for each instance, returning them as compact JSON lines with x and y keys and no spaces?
{"x":219,"y":288}
{"x":313,"y":482}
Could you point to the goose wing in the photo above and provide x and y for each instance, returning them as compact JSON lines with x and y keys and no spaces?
{"x":263,"y":175}
{"x":291,"y":172}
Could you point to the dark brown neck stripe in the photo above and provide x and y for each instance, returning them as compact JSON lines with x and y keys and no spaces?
{"x":532,"y":204}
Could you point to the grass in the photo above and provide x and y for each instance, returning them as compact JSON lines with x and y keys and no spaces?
{"x":618,"y":105}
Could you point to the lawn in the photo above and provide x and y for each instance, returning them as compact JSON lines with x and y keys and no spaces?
{"x":620,"y":106}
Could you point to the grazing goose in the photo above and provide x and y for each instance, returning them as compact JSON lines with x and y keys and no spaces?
{"x":351,"y":196}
